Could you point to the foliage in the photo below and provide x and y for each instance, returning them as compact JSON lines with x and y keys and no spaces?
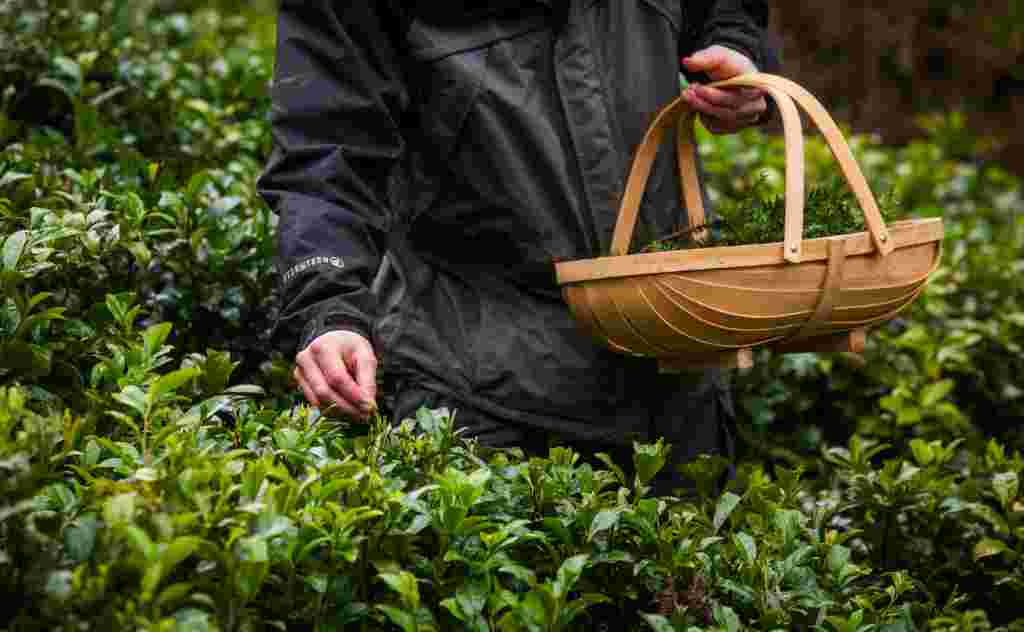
{"x":171,"y":519}
{"x":128,"y":166}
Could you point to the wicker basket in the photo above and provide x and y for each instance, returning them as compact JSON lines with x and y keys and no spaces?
{"x":711,"y":306}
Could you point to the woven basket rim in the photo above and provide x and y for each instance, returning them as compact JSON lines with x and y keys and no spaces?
{"x":904,"y":233}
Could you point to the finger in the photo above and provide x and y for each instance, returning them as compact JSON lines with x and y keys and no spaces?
{"x":719,"y":62}
{"x":742,"y":116}
{"x":308,"y":365}
{"x":328,"y":399}
{"x":334,"y":368}
{"x":731,"y":97}
{"x":364,"y":366}
{"x":707,"y":109}
{"x":704,"y":60}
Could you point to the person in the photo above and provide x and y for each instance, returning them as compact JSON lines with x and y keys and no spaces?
{"x":430,"y":165}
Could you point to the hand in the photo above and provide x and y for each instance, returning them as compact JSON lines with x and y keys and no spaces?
{"x":729,"y":110}
{"x":338,"y":372}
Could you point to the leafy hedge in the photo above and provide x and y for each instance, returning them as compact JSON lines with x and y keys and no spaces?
{"x":157,"y":472}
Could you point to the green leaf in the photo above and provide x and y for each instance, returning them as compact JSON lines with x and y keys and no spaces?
{"x":191,"y":619}
{"x":604,"y":520}
{"x":987,"y":514}
{"x":923,"y":452}
{"x":745,"y":546}
{"x":1006,"y":485}
{"x":38,"y":298}
{"x":59,"y":585}
{"x":472,"y":597}
{"x":521,"y":573}
{"x":568,"y":573}
{"x":151,"y":580}
{"x":615,"y":469}
{"x":169,"y":383}
{"x":198,"y":105}
{"x":60,"y":498}
{"x":120,"y":509}
{"x":217,"y":371}
{"x":80,"y":538}
{"x":133,"y":397}
{"x":13,"y":248}
{"x":788,"y":522}
{"x":935,"y":392}
{"x":318,"y":583}
{"x":649,"y":459}
{"x":140,"y":542}
{"x":69,"y":68}
{"x":141,"y":252}
{"x":173,"y":594}
{"x":92,"y":453}
{"x":401,"y":618}
{"x":403,"y":583}
{"x":727,"y":618}
{"x":154,"y":337}
{"x":253,"y":550}
{"x":249,"y":577}
{"x":455,"y":609}
{"x":126,"y":420}
{"x":658,"y":623}
{"x":179,"y":550}
{"x":988,"y":547}
{"x":148,"y":474}
{"x":269,"y":526}
{"x":726,"y":505}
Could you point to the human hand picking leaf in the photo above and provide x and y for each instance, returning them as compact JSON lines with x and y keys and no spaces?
{"x":724,"y":111}
{"x":337,"y":373}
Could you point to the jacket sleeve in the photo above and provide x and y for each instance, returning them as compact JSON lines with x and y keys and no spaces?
{"x":337,"y":101}
{"x":739,"y":24}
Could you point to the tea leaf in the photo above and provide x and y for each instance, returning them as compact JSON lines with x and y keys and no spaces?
{"x":604,"y":520}
{"x":80,"y":538}
{"x":745,"y":546}
{"x":726,"y":505}
{"x":13,"y":249}
{"x":1005,"y":485}
{"x":988,"y":547}
{"x":168,"y":384}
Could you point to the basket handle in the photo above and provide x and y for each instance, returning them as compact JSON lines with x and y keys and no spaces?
{"x":784,"y":92}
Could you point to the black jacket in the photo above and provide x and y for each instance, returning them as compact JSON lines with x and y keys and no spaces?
{"x":476,"y":146}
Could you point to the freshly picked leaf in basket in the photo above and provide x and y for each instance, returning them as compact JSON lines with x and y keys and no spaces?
{"x":816,"y":283}
{"x":759,"y":218}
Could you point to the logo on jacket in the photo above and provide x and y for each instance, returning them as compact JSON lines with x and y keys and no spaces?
{"x":312,"y":262}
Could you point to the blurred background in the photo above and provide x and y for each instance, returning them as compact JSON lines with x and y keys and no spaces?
{"x":877,"y":64}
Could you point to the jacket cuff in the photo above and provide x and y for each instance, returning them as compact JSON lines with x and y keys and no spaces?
{"x":294,"y":331}
{"x":335,"y":322}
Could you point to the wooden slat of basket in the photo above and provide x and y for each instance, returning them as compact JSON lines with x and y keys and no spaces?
{"x":734,"y":257}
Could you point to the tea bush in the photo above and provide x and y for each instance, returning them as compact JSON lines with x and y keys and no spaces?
{"x":947,"y":367}
{"x":156,"y":472}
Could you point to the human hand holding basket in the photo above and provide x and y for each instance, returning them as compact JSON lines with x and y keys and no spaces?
{"x":712,"y":306}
